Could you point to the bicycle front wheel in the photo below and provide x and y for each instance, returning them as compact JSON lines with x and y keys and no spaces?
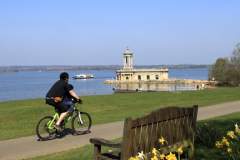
{"x":81,"y":123}
{"x":44,"y":129}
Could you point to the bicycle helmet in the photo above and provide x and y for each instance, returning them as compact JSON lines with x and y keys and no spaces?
{"x":71,"y":86}
{"x":64,"y":75}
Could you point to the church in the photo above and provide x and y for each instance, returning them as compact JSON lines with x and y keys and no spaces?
{"x":130,"y":74}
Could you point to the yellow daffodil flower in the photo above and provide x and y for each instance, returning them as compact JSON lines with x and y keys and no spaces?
{"x":154,"y":151}
{"x":162,"y":156}
{"x":229,"y":150}
{"x":171,"y":156}
{"x":205,"y":124}
{"x":224,"y":140}
{"x":236,"y":130}
{"x":180,"y":150}
{"x":227,"y":143}
{"x":154,"y":158}
{"x":231,"y":134}
{"x":218,"y":145}
{"x":161,"y":140}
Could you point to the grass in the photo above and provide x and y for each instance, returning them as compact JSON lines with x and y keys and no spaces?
{"x":222,"y":124}
{"x":19,"y":117}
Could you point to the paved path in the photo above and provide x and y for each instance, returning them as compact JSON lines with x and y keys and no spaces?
{"x":27,"y":147}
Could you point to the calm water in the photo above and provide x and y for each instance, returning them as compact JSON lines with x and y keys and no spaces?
{"x":30,"y":85}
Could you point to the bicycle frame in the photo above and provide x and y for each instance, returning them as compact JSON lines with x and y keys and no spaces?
{"x":51,"y":123}
{"x":66,"y":119}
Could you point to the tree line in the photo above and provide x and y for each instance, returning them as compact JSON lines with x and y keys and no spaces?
{"x":227,"y":69}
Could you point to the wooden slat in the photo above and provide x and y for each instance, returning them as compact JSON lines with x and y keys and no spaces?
{"x":143,"y":138}
{"x":159,"y":132}
{"x":174,"y":130}
{"x":161,"y":115}
{"x":177,"y":130}
{"x":126,"y":144}
{"x":164,"y":133}
{"x":136,"y":144}
{"x":153,"y":139}
{"x":180,"y":132}
{"x":184,"y":128}
{"x":191,"y":127}
{"x":148,"y":140}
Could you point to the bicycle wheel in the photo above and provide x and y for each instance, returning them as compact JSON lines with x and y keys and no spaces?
{"x":44,"y":129}
{"x":81,"y":124}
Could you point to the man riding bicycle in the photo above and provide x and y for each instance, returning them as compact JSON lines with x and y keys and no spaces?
{"x":54,"y":95}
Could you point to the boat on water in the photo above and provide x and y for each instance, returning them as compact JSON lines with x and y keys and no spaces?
{"x":83,"y":76}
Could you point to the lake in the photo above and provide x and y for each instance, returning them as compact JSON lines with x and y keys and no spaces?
{"x":30,"y":85}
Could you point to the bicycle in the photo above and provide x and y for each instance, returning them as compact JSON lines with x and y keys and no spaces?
{"x":81,"y":124}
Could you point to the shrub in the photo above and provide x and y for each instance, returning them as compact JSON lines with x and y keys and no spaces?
{"x":206,"y":135}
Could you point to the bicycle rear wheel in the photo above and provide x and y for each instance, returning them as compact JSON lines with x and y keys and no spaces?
{"x":44,"y":129}
{"x":81,"y":124}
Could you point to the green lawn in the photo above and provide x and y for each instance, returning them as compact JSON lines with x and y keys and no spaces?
{"x":22,"y":115}
{"x":222,"y":124}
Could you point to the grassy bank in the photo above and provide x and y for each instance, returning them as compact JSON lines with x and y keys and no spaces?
{"x":222,"y":124}
{"x":19,"y":118}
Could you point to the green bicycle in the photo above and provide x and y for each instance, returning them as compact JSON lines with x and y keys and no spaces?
{"x":81,"y":124}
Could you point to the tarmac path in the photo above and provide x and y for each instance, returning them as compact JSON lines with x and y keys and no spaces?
{"x":26,"y":147}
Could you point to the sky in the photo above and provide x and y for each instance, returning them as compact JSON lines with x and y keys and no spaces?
{"x":97,"y":32}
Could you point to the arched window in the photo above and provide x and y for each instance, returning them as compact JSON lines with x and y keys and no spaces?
{"x":148,"y":77}
{"x":157,"y":77}
{"x":139,"y":77}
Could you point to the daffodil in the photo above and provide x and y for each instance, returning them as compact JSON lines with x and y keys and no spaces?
{"x":229,"y":150}
{"x":140,"y":155}
{"x":227,"y":143}
{"x":162,"y":156}
{"x":224,"y":140}
{"x":218,"y":145}
{"x":180,"y":150}
{"x":231,"y":134}
{"x":171,"y":156}
{"x":154,"y":151}
{"x":161,"y":140}
{"x":236,"y":126}
{"x":205,"y":124}
{"x":154,"y":158}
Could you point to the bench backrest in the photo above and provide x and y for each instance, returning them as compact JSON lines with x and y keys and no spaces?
{"x":175,"y":124}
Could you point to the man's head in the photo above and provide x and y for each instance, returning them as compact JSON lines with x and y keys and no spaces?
{"x":64,"y":76}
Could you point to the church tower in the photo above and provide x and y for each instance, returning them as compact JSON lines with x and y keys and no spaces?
{"x":127,"y":60}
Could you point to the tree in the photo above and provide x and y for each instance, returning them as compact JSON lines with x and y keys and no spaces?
{"x":226,"y":70}
{"x":234,"y":71}
{"x":219,"y":70}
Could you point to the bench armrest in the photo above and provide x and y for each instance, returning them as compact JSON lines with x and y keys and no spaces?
{"x":103,"y":142}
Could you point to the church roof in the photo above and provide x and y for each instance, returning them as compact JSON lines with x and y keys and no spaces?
{"x":127,"y":52}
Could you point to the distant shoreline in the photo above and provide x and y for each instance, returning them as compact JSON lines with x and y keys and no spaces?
{"x":7,"y":69}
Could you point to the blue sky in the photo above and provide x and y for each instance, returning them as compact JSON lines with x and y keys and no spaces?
{"x":77,"y":32}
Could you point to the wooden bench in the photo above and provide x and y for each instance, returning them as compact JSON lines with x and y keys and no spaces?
{"x":175,"y":124}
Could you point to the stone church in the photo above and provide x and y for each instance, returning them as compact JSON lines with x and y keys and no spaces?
{"x":130,"y":74}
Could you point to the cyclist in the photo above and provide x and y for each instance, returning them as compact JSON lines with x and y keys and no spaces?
{"x":55,"y":93}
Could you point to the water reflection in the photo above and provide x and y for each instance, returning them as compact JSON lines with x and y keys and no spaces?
{"x":156,"y":87}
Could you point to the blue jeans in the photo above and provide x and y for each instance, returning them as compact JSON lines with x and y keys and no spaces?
{"x":69,"y":104}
